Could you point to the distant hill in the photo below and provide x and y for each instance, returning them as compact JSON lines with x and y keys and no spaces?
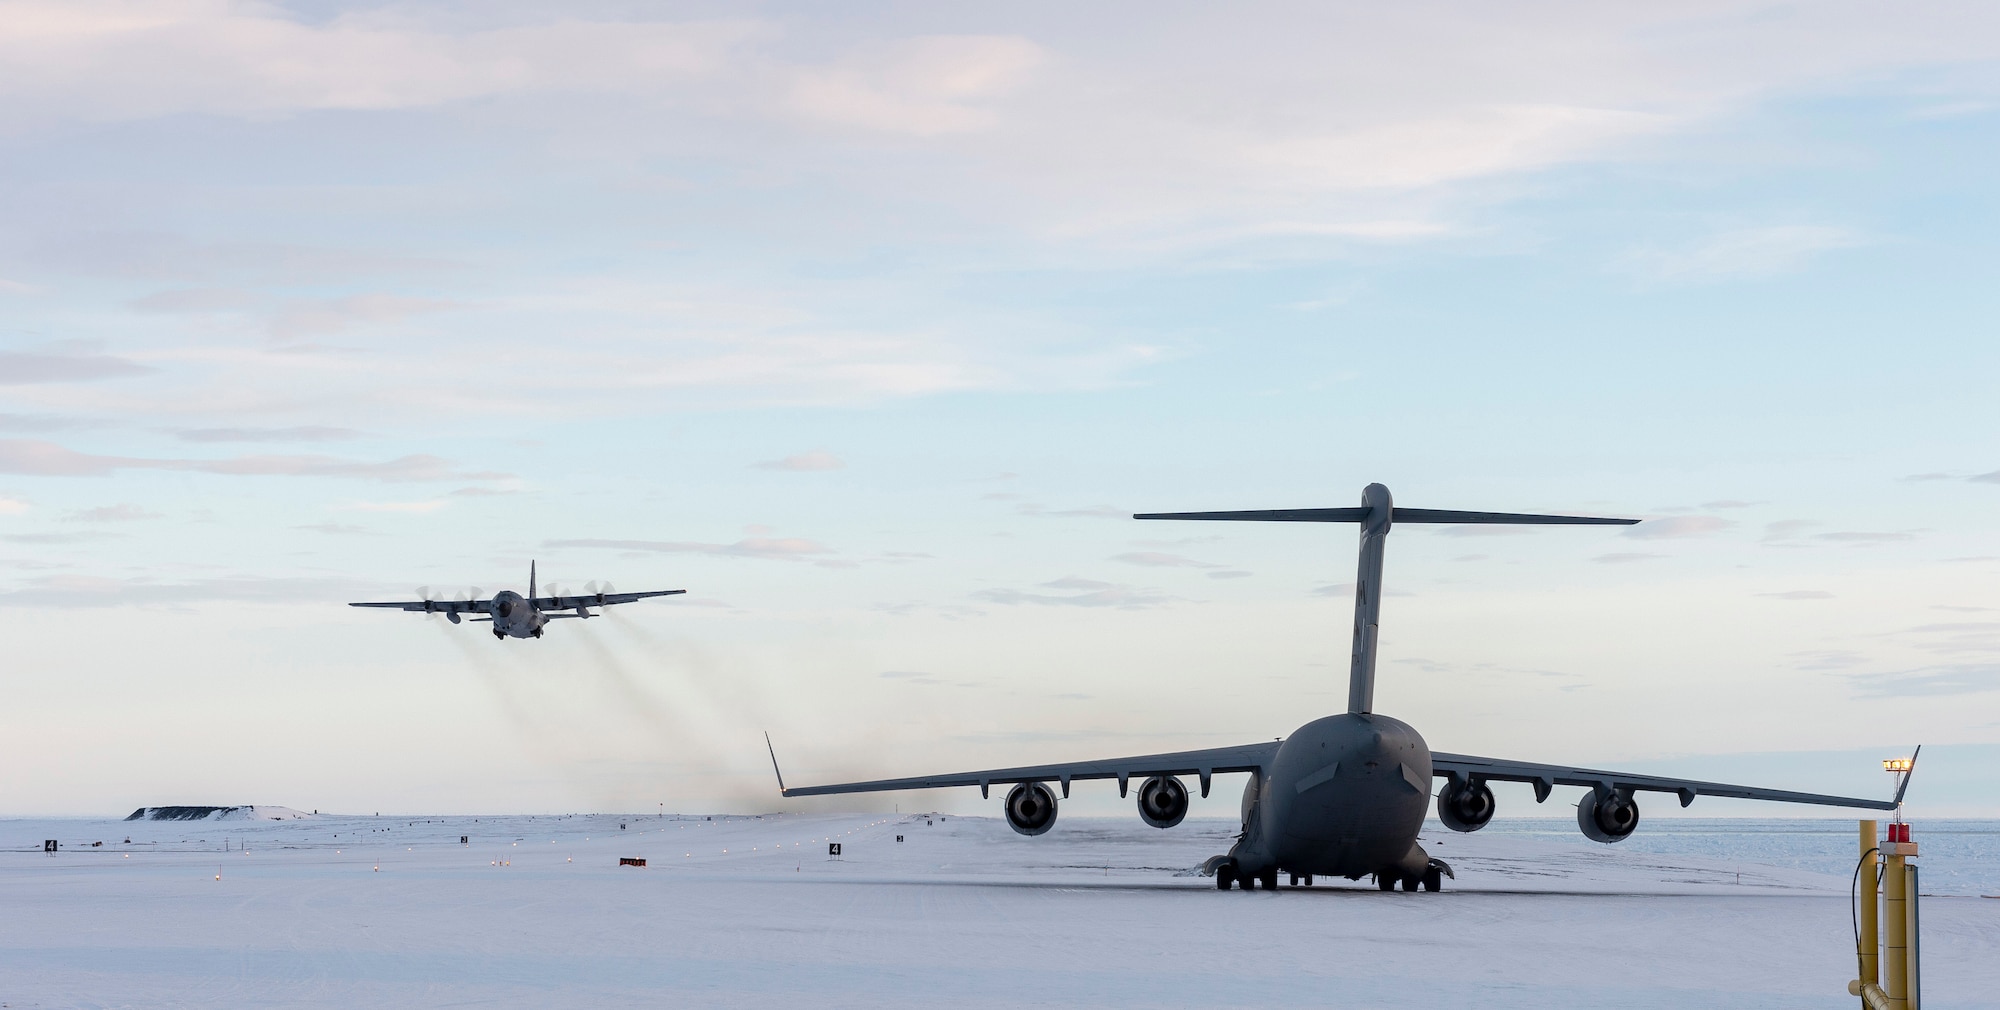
{"x":242,"y":813}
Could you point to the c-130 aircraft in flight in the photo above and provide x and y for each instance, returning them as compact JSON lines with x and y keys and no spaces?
{"x":517,"y":616}
{"x":1344,"y":795}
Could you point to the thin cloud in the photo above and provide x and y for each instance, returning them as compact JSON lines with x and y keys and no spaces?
{"x":335,"y":529}
{"x":1787,"y":529}
{"x":193,"y":300}
{"x":1084,"y":593}
{"x":111,"y":514}
{"x":1678,"y":528}
{"x":1742,"y":253}
{"x":51,"y":539}
{"x":1986,"y":478}
{"x":35,"y":424}
{"x":818,"y":459}
{"x":299,"y":433}
{"x":1962,"y":678}
{"x":47,"y":459}
{"x":764,"y":548}
{"x":1096,"y":513}
{"x":72,"y":591}
{"x":1864,"y":539}
{"x":12,"y":506}
{"x":1625,"y":558}
{"x":316,"y":316}
{"x":19,"y":368}
{"x":1160,"y":559}
{"x":408,"y":507}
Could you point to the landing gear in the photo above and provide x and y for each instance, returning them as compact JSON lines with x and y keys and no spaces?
{"x":1385,"y":881}
{"x":501,"y":635}
{"x":1433,"y":879}
{"x":1225,"y":875}
{"x":1269,"y":878}
{"x":1306,"y":877}
{"x":538,"y":632}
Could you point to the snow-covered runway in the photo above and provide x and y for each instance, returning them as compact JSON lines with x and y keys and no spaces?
{"x":740,"y":911}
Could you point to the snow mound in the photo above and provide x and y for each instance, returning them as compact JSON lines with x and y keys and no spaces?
{"x":242,"y":813}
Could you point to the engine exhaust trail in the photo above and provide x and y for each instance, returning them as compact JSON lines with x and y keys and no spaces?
{"x":666,"y":724}
{"x":537,"y":740}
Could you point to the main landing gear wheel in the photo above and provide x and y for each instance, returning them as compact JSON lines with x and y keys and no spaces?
{"x":1225,"y":875}
{"x":1385,"y":881}
{"x":1433,"y":880}
{"x":1269,"y":878}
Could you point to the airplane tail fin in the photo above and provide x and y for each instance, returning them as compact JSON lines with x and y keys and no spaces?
{"x":1376,"y":514}
{"x":774,"y":763}
{"x":531,"y":580}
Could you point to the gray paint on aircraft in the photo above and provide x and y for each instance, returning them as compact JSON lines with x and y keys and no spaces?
{"x":1345,"y":795}
{"x":517,"y":616}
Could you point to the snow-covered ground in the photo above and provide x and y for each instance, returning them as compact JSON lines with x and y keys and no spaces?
{"x":750,"y":911}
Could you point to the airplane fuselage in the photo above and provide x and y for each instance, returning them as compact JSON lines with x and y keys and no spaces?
{"x":1345,"y":796}
{"x":515,"y":617}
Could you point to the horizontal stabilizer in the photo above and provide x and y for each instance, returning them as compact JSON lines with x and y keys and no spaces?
{"x":1397,"y":515}
{"x":1403,"y":515}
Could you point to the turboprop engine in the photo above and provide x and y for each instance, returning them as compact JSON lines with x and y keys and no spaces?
{"x":1031,"y":808}
{"x":1607,"y":817}
{"x":1465,"y":805}
{"x":1163,"y":801}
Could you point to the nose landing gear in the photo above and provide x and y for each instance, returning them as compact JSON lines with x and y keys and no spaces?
{"x":501,"y":635}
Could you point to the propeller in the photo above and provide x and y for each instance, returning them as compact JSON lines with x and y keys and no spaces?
{"x":599,"y":590}
{"x":470,"y":594}
{"x":424,"y":594}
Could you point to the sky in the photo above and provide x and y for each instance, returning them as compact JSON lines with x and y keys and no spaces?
{"x":871,"y":327}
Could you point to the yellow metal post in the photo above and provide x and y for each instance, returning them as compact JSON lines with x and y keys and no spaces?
{"x":1870,"y":940}
{"x":1895,"y":932}
{"x":1915,"y":974}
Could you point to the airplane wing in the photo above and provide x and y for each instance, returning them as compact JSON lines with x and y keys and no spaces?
{"x":435,"y":606}
{"x":546,"y":603}
{"x":1201,"y":763}
{"x":1546,"y":777}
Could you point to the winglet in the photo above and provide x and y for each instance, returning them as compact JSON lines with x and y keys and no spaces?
{"x":774,"y":762}
{"x":1907,"y":772}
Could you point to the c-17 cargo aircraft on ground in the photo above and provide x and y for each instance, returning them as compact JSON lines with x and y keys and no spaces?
{"x":1344,"y":795}
{"x":517,"y":616}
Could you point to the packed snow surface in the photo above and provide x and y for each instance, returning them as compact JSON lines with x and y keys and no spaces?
{"x":751,"y":911}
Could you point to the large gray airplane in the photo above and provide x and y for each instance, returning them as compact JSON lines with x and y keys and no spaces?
{"x":517,"y":616}
{"x":1344,"y":795}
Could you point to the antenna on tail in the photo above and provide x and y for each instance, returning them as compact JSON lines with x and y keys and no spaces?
{"x":1376,"y":514}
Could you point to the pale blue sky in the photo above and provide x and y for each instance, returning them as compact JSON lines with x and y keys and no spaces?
{"x":866,"y":330}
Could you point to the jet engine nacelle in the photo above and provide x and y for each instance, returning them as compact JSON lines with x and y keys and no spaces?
{"x":1465,"y":804}
{"x":1031,"y":808}
{"x":1607,"y":817}
{"x":1163,"y":801}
